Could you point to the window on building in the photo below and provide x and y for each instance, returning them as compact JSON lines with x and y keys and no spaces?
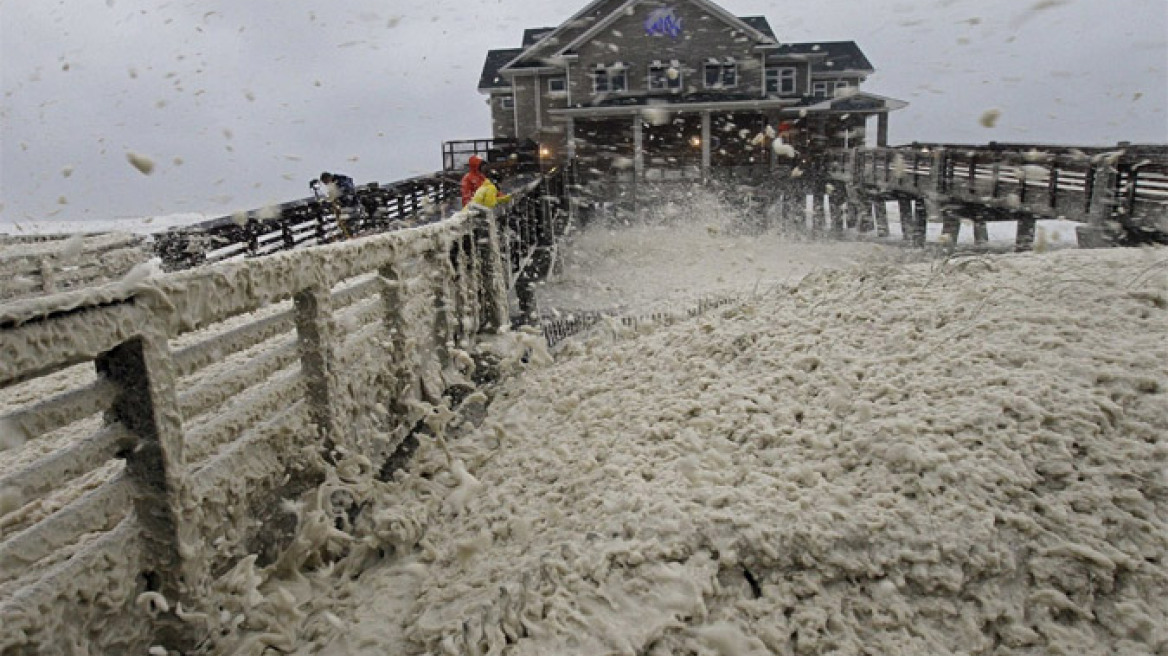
{"x":781,"y":81}
{"x":729,"y":74}
{"x":610,"y":79}
{"x":665,"y":77}
{"x":507,"y":102}
{"x":557,"y":85}
{"x":713,"y":75}
{"x":618,"y":78}
{"x":831,"y":88}
{"x":721,"y":74}
{"x":600,"y":79}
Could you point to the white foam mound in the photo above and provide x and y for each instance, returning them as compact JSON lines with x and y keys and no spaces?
{"x":949,"y":458}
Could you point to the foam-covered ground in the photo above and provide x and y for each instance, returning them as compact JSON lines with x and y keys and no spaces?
{"x":965,"y":456}
{"x":677,"y":254}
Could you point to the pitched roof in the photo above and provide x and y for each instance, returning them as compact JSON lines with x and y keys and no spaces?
{"x":759,"y":23}
{"x":533,"y":34}
{"x":490,"y":78}
{"x":601,"y":13}
{"x":573,"y":27}
{"x":829,"y":56}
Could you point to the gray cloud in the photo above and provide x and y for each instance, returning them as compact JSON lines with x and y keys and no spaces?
{"x":256,"y":98}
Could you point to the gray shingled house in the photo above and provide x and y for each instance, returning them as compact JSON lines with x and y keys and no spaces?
{"x":639,"y":84}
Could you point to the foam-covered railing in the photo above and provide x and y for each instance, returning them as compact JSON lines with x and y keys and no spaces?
{"x":45,"y":265}
{"x":187,"y":406}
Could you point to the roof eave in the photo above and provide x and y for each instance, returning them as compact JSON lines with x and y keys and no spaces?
{"x":616,"y":110}
{"x":531,"y":69}
{"x":846,"y":72}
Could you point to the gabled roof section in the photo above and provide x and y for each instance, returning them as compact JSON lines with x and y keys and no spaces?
{"x":550,"y":42}
{"x":730,"y":19}
{"x":600,"y":13}
{"x":829,"y":56}
{"x":534,"y":34}
{"x":490,"y":78}
{"x":760,"y":23}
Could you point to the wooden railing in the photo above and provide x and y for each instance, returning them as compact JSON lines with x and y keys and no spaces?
{"x":35,"y":266}
{"x":509,"y":152}
{"x":1123,"y":190}
{"x":186,"y":407}
{"x":310,"y":222}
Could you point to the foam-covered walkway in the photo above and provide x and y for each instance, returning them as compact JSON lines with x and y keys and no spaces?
{"x":941,"y":457}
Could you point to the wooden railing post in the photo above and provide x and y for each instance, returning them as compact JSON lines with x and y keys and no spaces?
{"x":441,"y":270}
{"x":853,"y":193}
{"x":939,"y":170}
{"x":493,"y":272}
{"x":981,"y":230}
{"x":397,"y":321}
{"x":881,"y":216}
{"x":935,"y":199}
{"x":1104,"y":197}
{"x":147,"y":405}
{"x":317,"y":358}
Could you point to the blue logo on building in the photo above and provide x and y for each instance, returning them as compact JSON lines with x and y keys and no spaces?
{"x":663,"y":22}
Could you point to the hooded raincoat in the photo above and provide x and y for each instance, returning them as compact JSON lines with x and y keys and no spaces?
{"x":488,"y":195}
{"x":473,"y":178}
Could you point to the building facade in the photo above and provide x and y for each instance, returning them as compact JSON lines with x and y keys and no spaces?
{"x":639,"y":84}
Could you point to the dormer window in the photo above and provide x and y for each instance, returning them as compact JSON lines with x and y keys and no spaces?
{"x":557,"y":86}
{"x":781,"y":81}
{"x":665,"y":77}
{"x":721,"y":74}
{"x":610,"y":79}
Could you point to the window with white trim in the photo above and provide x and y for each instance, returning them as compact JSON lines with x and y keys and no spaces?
{"x":831,"y":88}
{"x":664,"y":77}
{"x":507,"y":102}
{"x":618,"y":77}
{"x":721,"y":74}
{"x":557,"y":85}
{"x":781,"y":80}
{"x":610,"y":79}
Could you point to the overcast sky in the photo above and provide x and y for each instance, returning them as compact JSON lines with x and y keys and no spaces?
{"x":238,"y":103}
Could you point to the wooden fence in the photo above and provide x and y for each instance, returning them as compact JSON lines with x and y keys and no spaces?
{"x":1121,"y":195}
{"x":374,"y":208}
{"x":35,"y":266}
{"x":151,"y":431}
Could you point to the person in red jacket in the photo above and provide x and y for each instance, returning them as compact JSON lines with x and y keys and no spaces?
{"x":472,"y":180}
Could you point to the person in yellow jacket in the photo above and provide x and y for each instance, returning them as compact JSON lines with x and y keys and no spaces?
{"x":488,"y":195}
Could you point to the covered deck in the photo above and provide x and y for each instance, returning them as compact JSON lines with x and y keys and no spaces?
{"x":646,"y":137}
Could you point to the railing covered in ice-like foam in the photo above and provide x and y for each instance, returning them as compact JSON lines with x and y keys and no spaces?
{"x":150,"y":430}
{"x":34,"y":266}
